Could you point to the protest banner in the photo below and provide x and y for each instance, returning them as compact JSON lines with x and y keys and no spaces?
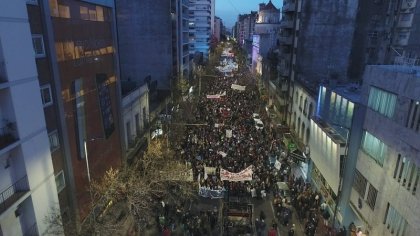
{"x":228,"y":133}
{"x":238,"y":87}
{"x":210,"y":170}
{"x":211,"y":193}
{"x":215,"y":96}
{"x":244,"y":175}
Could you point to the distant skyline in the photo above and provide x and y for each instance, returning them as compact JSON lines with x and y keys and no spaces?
{"x":228,"y":10}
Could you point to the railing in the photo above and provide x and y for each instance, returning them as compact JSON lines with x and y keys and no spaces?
{"x":32,"y":231}
{"x":13,"y":193}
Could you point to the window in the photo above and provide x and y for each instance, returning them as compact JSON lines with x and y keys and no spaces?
{"x":59,"y":51}
{"x":382,"y":101}
{"x":92,"y":15}
{"x":371,"y":197}
{"x":360,"y":183}
{"x":60,"y":181}
{"x":54,"y":141}
{"x":38,"y":44}
{"x":144,"y":117}
{"x":54,"y":8}
{"x":99,"y":13}
{"x":394,"y":222}
{"x":84,"y":13}
{"x":46,"y":95}
{"x":68,"y":48}
{"x":413,"y":116}
{"x":64,"y":11}
{"x":374,"y":147}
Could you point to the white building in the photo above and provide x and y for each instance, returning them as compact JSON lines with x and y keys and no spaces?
{"x":201,"y":26}
{"x":28,"y":189}
{"x":135,"y":107}
{"x":385,"y":192}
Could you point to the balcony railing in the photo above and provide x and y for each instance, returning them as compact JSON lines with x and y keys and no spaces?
{"x":32,"y":231}
{"x":7,"y":136}
{"x":9,"y":196}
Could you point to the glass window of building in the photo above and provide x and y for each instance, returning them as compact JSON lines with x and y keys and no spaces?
{"x":68,"y":48}
{"x":382,"y":101}
{"x":38,"y":44}
{"x":92,"y":15}
{"x":79,"y":104}
{"x":84,"y":13}
{"x":394,"y":222}
{"x":60,"y":181}
{"x":46,"y":95}
{"x":59,"y":50}
{"x":374,"y":147}
{"x":99,"y":13}
{"x":54,"y":8}
{"x":64,"y":11}
{"x":54,"y":141}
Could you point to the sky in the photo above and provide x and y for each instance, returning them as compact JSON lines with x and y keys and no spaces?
{"x":228,"y":10}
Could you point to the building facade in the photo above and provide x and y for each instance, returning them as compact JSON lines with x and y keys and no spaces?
{"x":201,"y":26}
{"x":135,"y":115}
{"x":385,"y":188}
{"x":145,"y":40}
{"x":27,"y":175}
{"x":218,"y":26}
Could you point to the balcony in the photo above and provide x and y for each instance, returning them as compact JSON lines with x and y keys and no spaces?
{"x":7,"y":135}
{"x":289,"y":6}
{"x":288,"y":40}
{"x":13,"y":193}
{"x":286,"y":23}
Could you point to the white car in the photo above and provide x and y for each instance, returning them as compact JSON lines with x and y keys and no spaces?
{"x":259,"y":124}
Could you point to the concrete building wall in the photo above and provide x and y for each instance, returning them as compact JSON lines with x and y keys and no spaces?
{"x":401,"y":142}
{"x":325,"y":38}
{"x":133,"y":105}
{"x":304,"y":107}
{"x":145,"y":41}
{"x":28,"y":156}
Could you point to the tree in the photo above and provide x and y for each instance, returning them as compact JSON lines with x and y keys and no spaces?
{"x":152,"y":179}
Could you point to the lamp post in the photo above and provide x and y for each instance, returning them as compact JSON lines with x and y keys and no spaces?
{"x":89,"y":179}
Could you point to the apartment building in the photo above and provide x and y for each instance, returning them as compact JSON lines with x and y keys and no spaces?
{"x":145,"y":40}
{"x":201,"y":26}
{"x":28,"y":189}
{"x":385,"y":196}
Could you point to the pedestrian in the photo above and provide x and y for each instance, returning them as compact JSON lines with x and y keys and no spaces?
{"x":292,"y":230}
{"x":272,"y":232}
{"x":326,"y":216}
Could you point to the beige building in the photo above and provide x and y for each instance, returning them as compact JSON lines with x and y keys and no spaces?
{"x":385,"y":192}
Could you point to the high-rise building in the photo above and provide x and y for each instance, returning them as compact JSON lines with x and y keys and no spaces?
{"x":27,"y":176}
{"x":217,"y":28}
{"x":145,"y":41}
{"x":180,"y":38}
{"x":201,"y":26}
{"x":387,"y":174}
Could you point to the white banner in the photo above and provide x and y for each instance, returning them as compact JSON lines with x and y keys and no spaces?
{"x":216,"y":96}
{"x":238,"y":87}
{"x":244,"y":175}
{"x":228,"y":133}
{"x":210,"y":170}
{"x":222,"y":153}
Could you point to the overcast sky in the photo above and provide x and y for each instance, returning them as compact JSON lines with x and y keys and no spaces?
{"x":229,"y":10}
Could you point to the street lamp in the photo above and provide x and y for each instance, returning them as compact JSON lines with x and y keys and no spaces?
{"x":89,"y":179}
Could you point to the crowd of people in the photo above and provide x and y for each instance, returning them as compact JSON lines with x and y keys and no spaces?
{"x":226,"y":137}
